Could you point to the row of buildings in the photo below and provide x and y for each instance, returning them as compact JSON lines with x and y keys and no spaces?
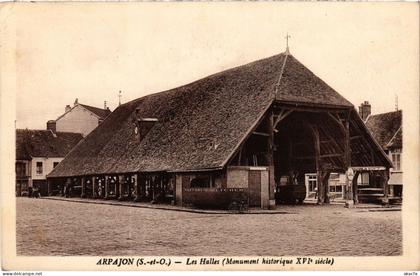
{"x":240,"y":134}
{"x":38,"y":152}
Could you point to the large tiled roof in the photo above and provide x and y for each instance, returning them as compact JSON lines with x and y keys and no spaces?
{"x":199,"y":124}
{"x":43,"y":143}
{"x":386,"y":128}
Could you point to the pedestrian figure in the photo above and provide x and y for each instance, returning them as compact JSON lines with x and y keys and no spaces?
{"x":36,"y":193}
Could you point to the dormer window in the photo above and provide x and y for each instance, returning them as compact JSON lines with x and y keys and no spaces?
{"x":144,"y":125}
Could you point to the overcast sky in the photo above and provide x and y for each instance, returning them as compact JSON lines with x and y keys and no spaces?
{"x":365,"y":51}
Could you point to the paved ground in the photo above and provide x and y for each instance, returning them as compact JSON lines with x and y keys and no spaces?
{"x":49,"y":227}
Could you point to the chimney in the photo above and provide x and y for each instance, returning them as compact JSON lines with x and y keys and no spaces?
{"x":51,"y":125}
{"x":76,"y":101}
{"x":364,"y":110}
{"x":105,"y":105}
{"x":67,"y":109}
{"x":143,"y":125}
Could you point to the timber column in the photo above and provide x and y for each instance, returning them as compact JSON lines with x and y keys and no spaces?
{"x":319,"y":174}
{"x":178,"y":190}
{"x":121,"y":186}
{"x":137,"y":178}
{"x":347,"y":161}
{"x":355,"y":188}
{"x":83,"y":183}
{"x":270,"y":157}
{"x":49,"y":186}
{"x":134,"y":178}
{"x":94,"y":188}
{"x":385,"y":178}
{"x":106,"y":187}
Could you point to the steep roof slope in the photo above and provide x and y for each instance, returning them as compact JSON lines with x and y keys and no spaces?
{"x":299,"y":84}
{"x":386,"y":128}
{"x":199,"y":124}
{"x":43,"y":143}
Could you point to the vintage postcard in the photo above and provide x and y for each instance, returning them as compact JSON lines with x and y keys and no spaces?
{"x":209,"y":136}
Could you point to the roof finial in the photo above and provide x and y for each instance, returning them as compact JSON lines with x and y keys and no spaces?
{"x":287,"y":43}
{"x":119,"y":98}
{"x":396,"y":102}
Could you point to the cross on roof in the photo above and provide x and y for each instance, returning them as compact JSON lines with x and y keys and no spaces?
{"x":287,"y":42}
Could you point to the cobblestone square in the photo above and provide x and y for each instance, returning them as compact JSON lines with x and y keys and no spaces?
{"x":57,"y":228}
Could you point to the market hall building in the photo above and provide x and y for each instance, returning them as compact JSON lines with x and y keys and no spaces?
{"x":249,"y":133}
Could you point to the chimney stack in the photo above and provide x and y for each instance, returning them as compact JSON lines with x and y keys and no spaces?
{"x":67,"y":109}
{"x":51,"y":125}
{"x":105,"y":105}
{"x":76,"y":101}
{"x":364,"y":110}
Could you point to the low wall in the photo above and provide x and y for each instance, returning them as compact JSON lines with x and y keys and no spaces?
{"x":214,"y":198}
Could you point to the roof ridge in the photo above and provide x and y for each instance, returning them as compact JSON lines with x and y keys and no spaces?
{"x":93,"y":106}
{"x":393,"y":136}
{"x":277,"y":85}
{"x":384,"y":113}
{"x":203,"y":78}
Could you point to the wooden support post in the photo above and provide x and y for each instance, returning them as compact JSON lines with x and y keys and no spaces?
{"x":270,"y":157}
{"x":178,"y":190}
{"x":83,"y":184}
{"x":240,"y":155}
{"x":326,"y":184}
{"x":106,"y":187}
{"x":356,"y":188}
{"x":319,"y":187}
{"x":67,"y":185}
{"x":94,"y":188}
{"x":347,"y":152}
{"x":319,"y":174}
{"x":137,"y":184}
{"x":121,"y":183}
{"x":347,"y":163}
{"x":134,"y":180}
{"x":49,"y":187}
{"x":385,"y":178}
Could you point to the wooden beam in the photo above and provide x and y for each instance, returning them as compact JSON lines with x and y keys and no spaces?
{"x":355,"y":188}
{"x":355,"y":137}
{"x":319,"y":178}
{"x":331,"y":155}
{"x":240,"y":154}
{"x":315,"y":109}
{"x":261,"y":133}
{"x":347,"y":154}
{"x":337,"y":119}
{"x":283,"y":114}
{"x":270,"y":155}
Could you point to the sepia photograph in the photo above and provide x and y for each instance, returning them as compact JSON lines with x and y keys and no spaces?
{"x":210,"y":136}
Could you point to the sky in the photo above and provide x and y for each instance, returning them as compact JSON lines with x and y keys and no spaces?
{"x":365,"y":51}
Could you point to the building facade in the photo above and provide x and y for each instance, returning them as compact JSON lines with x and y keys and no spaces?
{"x":386,"y":128}
{"x":38,"y":152}
{"x":80,"y":118}
{"x":248,"y":134}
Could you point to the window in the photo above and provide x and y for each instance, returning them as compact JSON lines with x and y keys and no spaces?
{"x":396,"y":160}
{"x":55,"y":164}
{"x":20,"y":169}
{"x":312,"y":183}
{"x":38,"y":167}
{"x":363,"y":179}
